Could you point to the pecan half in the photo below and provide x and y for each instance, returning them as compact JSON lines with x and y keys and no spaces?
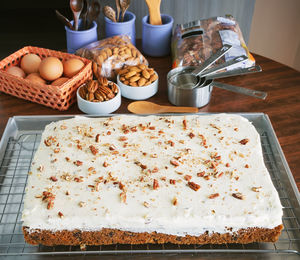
{"x":194,"y":186}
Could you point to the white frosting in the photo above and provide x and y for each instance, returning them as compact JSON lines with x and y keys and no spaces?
{"x":147,"y":209}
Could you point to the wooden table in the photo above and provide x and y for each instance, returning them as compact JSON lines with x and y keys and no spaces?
{"x":282,"y":104}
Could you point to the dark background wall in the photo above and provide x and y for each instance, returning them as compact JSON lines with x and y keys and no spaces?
{"x":33,"y":22}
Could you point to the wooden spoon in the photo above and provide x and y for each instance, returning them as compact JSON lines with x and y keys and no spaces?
{"x":76,"y":7}
{"x":145,"y":107}
{"x":109,"y":13}
{"x":64,"y":19}
{"x":118,"y":9}
{"x":93,"y":13}
{"x":124,"y":6}
{"x":154,"y":11}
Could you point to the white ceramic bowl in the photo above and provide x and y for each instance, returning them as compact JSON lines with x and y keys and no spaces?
{"x":138,"y":93}
{"x":104,"y":107}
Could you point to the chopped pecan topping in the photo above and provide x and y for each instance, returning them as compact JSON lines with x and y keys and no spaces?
{"x":187,"y":177}
{"x":105,"y":164}
{"x":175,"y":201}
{"x":174,"y":162}
{"x":60,"y":214}
{"x":170,"y":142}
{"x":123,"y":138}
{"x":238,"y":195}
{"x":153,"y":155}
{"x":227,"y":165}
{"x":53,"y":178}
{"x":123,"y":197}
{"x":146,"y":204}
{"x":97,"y":138}
{"x":49,"y":198}
{"x":81,"y":204}
{"x":141,"y":165}
{"x":220,"y":174}
{"x":184,"y":124}
{"x":256,"y":189}
{"x":246,"y":165}
{"x":56,"y":150}
{"x":203,"y":140}
{"x":206,"y":177}
{"x":112,"y":148}
{"x":155,"y":184}
{"x":78,"y":163}
{"x":79,"y":146}
{"x":41,"y":168}
{"x":244,"y":141}
{"x":78,"y":179}
{"x":200,"y":174}
{"x":121,"y":186}
{"x":155,"y":170}
{"x":172,"y":181}
{"x":152,"y":127}
{"x":214,"y":195}
{"x":67,"y":159}
{"x":47,"y":142}
{"x":93,"y":149}
{"x":133,"y":129}
{"x":191,"y":135}
{"x":108,"y":133}
{"x":193,"y":185}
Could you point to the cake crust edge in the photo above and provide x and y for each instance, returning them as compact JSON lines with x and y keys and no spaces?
{"x":108,"y":236}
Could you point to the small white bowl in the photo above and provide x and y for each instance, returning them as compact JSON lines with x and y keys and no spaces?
{"x":104,"y":107}
{"x":138,"y":93}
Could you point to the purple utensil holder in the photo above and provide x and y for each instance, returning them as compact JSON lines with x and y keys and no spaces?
{"x":156,"y":39}
{"x":78,"y":39}
{"x":121,"y":28}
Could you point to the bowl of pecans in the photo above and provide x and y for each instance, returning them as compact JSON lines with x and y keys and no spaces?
{"x":138,"y":82}
{"x":99,"y":97}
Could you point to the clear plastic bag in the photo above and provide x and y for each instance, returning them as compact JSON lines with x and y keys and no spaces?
{"x":194,"y":42}
{"x":112,"y":54}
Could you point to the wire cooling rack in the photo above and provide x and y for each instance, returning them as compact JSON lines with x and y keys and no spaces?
{"x":13,"y":176}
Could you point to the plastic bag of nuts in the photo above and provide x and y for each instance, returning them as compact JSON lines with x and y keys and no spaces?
{"x":112,"y":54}
{"x":194,"y":42}
{"x":98,"y":90}
{"x":137,"y":76}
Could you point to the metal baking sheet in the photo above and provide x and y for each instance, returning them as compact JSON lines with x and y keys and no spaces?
{"x":18,"y":145}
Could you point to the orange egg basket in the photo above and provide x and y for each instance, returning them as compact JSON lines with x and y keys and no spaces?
{"x":58,"y":97}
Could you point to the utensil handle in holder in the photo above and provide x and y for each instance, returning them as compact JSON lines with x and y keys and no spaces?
{"x":240,"y":90}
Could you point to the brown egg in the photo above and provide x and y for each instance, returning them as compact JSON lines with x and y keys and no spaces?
{"x":59,"y":81}
{"x":36,"y":78}
{"x":51,"y":68}
{"x":16,"y":71}
{"x":72,"y":67}
{"x":30,"y":63}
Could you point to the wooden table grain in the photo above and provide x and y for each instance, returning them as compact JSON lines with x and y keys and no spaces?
{"x":282,"y":104}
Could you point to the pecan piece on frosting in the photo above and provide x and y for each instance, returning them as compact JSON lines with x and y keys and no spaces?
{"x":214,"y":195}
{"x":194,"y":186}
{"x":93,"y":149}
{"x":244,"y":141}
{"x":238,"y":195}
{"x":155,"y":184}
{"x":174,"y":162}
